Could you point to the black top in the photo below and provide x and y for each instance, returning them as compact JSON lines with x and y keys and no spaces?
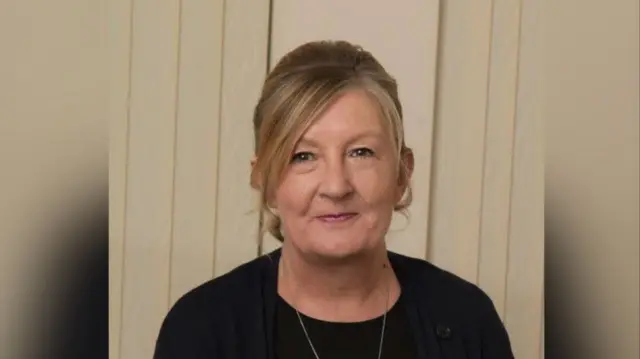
{"x":234,"y":315}
{"x":359,"y":340}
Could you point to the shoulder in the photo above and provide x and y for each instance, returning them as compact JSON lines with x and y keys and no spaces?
{"x":450,"y":300}
{"x":225,"y":290}
{"x":207,"y":310}
{"x":444,"y":294}
{"x":442,"y":288}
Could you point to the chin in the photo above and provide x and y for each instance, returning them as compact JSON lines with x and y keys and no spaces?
{"x":338,"y":248}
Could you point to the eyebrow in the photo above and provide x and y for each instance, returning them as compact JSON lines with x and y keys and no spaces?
{"x":367,"y":134}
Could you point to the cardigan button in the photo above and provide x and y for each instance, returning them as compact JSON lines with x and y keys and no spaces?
{"x":443,"y":332}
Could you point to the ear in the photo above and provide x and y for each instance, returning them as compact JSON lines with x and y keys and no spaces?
{"x":255,"y":176}
{"x":256,"y":180}
{"x":407,"y":161}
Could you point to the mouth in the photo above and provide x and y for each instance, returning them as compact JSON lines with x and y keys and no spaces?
{"x":337,"y":217}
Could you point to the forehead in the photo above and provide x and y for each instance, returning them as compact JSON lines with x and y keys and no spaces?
{"x":351,"y":114}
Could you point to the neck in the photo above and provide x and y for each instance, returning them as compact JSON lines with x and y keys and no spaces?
{"x":352,"y":289}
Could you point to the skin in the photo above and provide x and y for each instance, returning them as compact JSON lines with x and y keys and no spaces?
{"x":336,"y":202}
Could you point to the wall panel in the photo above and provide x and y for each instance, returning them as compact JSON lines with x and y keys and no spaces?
{"x":460,"y":136}
{"x":181,"y":136}
{"x":525,"y":274}
{"x":486,"y":216}
{"x":119,"y":39}
{"x":496,"y":183}
{"x":154,"y":72}
{"x":197,"y":143}
{"x":244,"y":67}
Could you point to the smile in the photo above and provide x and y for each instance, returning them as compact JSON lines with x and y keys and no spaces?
{"x":337,"y":217}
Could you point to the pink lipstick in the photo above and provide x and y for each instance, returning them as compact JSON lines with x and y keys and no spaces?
{"x":337,"y":217}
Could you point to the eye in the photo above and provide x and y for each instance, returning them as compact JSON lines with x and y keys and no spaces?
{"x":361,"y":152}
{"x":302,"y":157}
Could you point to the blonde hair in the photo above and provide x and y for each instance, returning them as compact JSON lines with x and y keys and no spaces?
{"x":298,"y":89}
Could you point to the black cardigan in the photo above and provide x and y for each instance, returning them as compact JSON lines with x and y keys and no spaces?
{"x":232,"y":316}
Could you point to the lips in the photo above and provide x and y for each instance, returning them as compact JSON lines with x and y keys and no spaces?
{"x":337,"y":217}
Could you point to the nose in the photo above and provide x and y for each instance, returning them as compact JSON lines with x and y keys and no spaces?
{"x":336,"y":183}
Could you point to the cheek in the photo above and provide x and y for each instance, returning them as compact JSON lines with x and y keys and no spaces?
{"x":294,"y":195}
{"x":377,"y":186}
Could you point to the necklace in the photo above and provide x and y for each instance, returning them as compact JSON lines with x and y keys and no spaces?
{"x":384,"y":324}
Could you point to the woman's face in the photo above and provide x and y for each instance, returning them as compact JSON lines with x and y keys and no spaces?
{"x":337,"y":195}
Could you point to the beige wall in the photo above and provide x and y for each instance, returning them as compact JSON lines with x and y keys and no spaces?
{"x":186,"y":76}
{"x":52,"y":159}
{"x":487,"y":207}
{"x":592,"y":108}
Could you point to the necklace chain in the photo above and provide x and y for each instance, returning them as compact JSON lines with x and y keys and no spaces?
{"x":384,"y":325}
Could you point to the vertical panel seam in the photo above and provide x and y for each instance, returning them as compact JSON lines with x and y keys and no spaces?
{"x":513,"y":146}
{"x":269,"y":34}
{"x":218,"y":141}
{"x":541,"y":324}
{"x":126,"y":176}
{"x":260,"y":234}
{"x":484,"y":140}
{"x":176,"y":114}
{"x":434,"y":130}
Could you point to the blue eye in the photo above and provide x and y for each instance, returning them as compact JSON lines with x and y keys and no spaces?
{"x":361,"y":152}
{"x":302,"y":157}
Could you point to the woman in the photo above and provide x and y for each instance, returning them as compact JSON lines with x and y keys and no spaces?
{"x":332,"y":166}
